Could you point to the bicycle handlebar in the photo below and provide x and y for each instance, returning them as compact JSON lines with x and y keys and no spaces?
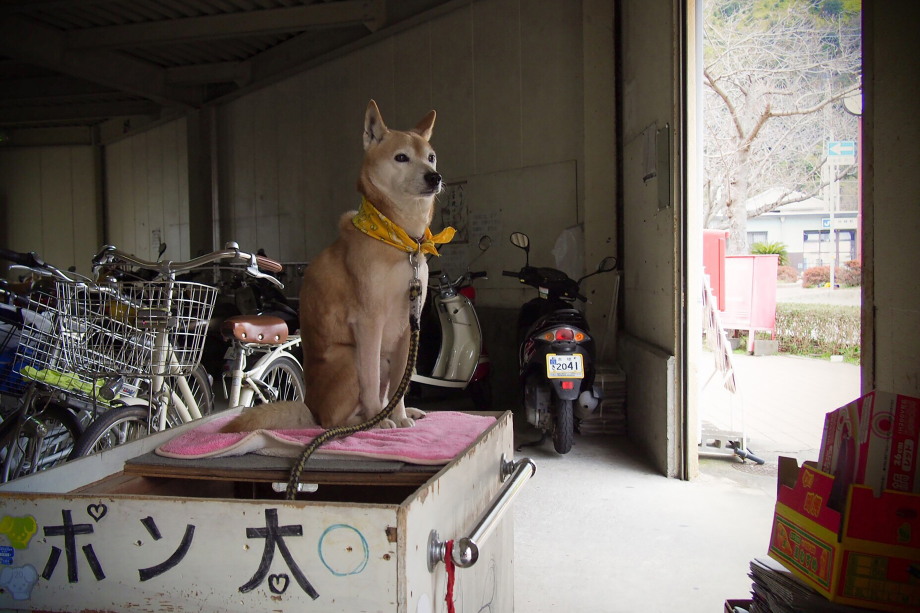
{"x":30,"y":259}
{"x":34,"y":263}
{"x":255,"y":264}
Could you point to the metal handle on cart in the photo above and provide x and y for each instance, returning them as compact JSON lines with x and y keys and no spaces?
{"x":465,"y":551}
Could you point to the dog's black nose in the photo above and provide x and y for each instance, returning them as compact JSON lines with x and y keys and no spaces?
{"x":433,"y":179}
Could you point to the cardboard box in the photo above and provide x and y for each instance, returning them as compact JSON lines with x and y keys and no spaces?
{"x":742,"y":605}
{"x":873,"y":441}
{"x":904,"y":454}
{"x":868,"y":555}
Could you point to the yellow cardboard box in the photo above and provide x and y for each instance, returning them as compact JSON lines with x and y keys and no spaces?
{"x":868,"y":556}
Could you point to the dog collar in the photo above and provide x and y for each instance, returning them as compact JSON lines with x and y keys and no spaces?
{"x":373,"y":223}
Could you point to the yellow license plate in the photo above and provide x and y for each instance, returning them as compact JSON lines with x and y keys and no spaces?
{"x":565,"y":366}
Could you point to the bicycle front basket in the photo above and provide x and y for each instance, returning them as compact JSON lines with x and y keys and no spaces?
{"x":11,"y":383}
{"x":48,"y":328}
{"x":144,"y":328}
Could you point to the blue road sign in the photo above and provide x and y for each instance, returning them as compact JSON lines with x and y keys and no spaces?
{"x":841,"y":147}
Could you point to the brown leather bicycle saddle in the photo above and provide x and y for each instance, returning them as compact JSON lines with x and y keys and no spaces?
{"x":263,"y":329}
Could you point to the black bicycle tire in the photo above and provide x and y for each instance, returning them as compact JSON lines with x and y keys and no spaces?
{"x":104,"y":424}
{"x":294,"y":373}
{"x":53,"y":412}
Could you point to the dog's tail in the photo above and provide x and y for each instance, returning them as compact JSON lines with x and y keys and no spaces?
{"x":284,"y":415}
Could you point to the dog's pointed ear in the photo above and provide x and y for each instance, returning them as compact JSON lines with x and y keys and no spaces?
{"x":374,"y":128}
{"x":426,"y":126}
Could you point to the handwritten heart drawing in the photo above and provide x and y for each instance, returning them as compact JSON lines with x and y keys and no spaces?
{"x":97,"y":511}
{"x":278,"y":584}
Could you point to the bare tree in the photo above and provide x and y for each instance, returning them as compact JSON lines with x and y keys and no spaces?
{"x":774,"y":82}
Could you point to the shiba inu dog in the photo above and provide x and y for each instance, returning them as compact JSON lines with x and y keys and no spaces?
{"x":354,"y":302}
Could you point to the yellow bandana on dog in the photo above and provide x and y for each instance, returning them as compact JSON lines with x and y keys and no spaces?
{"x":372,"y":222}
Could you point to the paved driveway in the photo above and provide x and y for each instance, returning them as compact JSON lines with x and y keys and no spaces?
{"x":782,"y":399}
{"x":794,"y":292}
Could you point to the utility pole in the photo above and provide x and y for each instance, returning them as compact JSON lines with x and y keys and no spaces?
{"x":839,"y":153}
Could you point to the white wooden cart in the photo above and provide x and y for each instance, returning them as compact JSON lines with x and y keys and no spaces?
{"x":126,"y":530}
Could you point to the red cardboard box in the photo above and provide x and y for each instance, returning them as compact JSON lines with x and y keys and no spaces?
{"x":867,"y":556}
{"x":904,"y":454}
{"x":875,"y":417}
{"x":873,"y":441}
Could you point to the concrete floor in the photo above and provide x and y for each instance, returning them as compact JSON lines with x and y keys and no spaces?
{"x":598,"y":531}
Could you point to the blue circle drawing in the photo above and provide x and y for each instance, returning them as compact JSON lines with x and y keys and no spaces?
{"x":362,"y":564}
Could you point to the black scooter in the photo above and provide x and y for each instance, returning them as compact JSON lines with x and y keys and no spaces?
{"x":556,"y":351}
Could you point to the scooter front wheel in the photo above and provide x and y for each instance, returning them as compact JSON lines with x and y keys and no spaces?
{"x":564,"y":430}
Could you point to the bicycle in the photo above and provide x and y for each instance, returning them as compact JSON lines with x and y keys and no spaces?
{"x":51,"y":401}
{"x":12,"y":384}
{"x":174,"y":349}
{"x":276,"y":375}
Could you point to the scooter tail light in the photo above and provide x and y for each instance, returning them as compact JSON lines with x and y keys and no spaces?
{"x":568,"y":385}
{"x":564,"y":334}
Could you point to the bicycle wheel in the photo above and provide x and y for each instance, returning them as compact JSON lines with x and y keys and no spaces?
{"x":38,"y":442}
{"x":283,"y":379}
{"x":115,"y":427}
{"x":199,"y":383}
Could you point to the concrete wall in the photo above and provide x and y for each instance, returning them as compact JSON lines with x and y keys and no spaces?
{"x":51,"y":197}
{"x":650,"y":227}
{"x":49,"y":203}
{"x":507,"y":80}
{"x":147,"y":193}
{"x":891,"y":197}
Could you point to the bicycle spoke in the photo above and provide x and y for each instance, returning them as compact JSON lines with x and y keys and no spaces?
{"x":38,"y":442}
{"x":282,"y":380}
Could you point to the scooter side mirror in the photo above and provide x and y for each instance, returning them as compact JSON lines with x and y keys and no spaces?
{"x":607,"y":264}
{"x":485,"y":241}
{"x":520,"y":240}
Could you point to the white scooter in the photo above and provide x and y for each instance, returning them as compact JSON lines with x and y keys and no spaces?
{"x":453,"y":340}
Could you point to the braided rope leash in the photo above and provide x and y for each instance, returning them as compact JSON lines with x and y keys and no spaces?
{"x":343,"y":431}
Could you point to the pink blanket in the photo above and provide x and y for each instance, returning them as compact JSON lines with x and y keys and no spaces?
{"x":436,"y":439}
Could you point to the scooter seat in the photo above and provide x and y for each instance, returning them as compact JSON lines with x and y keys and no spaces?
{"x":563,"y":316}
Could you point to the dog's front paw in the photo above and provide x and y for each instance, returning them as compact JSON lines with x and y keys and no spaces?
{"x":403,"y":421}
{"x":413,"y":413}
{"x":399,"y":422}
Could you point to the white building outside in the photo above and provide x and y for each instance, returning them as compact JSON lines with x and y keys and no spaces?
{"x":807,"y":228}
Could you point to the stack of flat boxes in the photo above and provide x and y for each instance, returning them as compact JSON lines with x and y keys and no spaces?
{"x":610,"y":415}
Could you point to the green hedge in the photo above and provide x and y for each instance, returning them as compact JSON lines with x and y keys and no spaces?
{"x":818,"y":329}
